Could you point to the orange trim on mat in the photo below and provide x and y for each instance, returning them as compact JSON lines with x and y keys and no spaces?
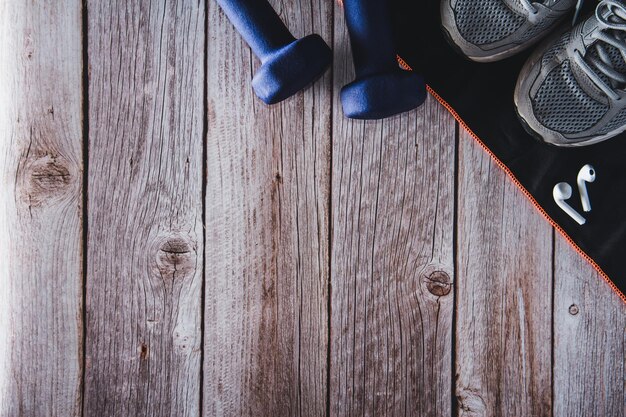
{"x":519,"y":185}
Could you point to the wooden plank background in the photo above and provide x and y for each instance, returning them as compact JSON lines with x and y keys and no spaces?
{"x":145,"y":234}
{"x":504,"y":294}
{"x":41,"y":216}
{"x":172,"y":246}
{"x":267,"y":216}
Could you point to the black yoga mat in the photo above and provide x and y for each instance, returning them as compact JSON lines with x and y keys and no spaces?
{"x":481,"y":98}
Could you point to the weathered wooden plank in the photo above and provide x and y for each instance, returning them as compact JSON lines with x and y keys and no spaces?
{"x":391,"y":258}
{"x":267,"y":214}
{"x":40,"y":208}
{"x":145,"y":236}
{"x":589,"y":340}
{"x":504,"y":289}
{"x":392,"y":265}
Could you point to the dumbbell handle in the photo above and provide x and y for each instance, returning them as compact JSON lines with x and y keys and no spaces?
{"x":258,"y":24}
{"x":371,"y":37}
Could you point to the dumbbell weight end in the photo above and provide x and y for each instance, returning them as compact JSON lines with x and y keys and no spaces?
{"x":383,"y":95}
{"x":291,"y":68}
{"x":287,"y":64}
{"x":380,"y":88}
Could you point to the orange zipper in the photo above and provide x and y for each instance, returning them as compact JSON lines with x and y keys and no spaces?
{"x":519,"y":185}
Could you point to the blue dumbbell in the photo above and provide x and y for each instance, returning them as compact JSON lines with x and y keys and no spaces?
{"x":288,"y":65}
{"x":380,"y":89}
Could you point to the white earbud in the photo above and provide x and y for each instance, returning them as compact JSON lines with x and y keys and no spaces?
{"x":586,"y":174}
{"x":561,"y":192}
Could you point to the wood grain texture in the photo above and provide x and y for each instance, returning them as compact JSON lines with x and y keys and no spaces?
{"x":40,"y":208}
{"x":267,"y":211}
{"x":589,"y":340}
{"x":297,"y":198}
{"x":504,"y":294}
{"x":145,"y":237}
{"x":391,"y":258}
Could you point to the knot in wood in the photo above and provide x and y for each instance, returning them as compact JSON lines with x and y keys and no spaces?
{"x":143,"y":351}
{"x":438,"y":283}
{"x":176,"y":258}
{"x":44,"y":178}
{"x":471,"y":403}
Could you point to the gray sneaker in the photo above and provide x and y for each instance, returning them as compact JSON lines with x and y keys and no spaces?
{"x":572,"y":90}
{"x":490,"y":30}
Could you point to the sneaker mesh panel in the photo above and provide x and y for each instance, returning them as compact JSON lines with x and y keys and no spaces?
{"x":487,"y":22}
{"x":557,"y":47}
{"x":618,"y":121}
{"x":534,"y":31}
{"x":563,"y":106}
{"x":616,"y":58}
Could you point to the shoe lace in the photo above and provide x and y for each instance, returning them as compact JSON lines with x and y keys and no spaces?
{"x":579,"y":5}
{"x":599,"y":67}
{"x":529,"y":6}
